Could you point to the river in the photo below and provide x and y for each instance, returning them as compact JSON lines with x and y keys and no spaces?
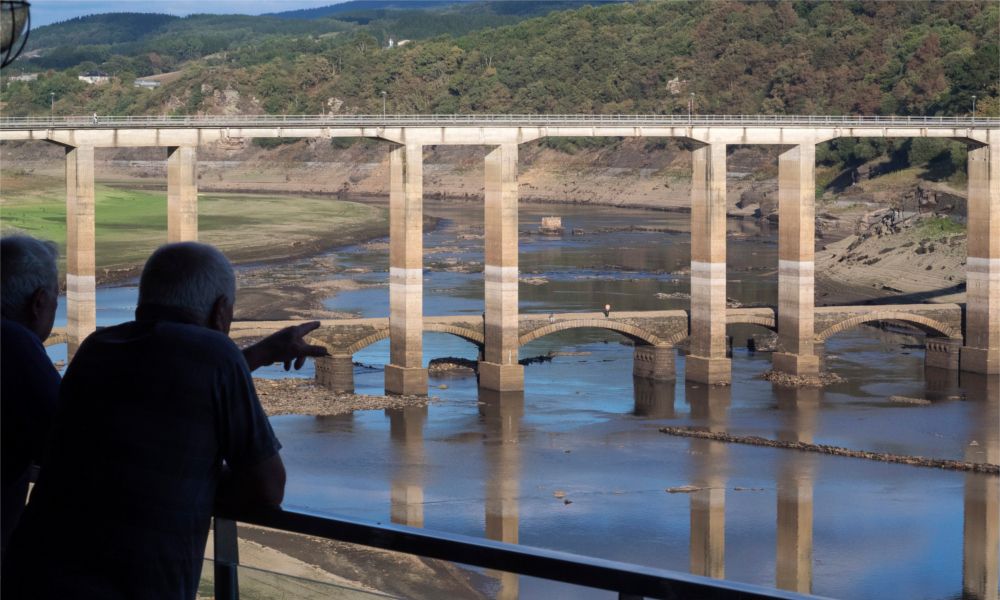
{"x":577,"y":463}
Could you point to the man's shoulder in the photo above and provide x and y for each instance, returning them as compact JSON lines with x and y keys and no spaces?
{"x":195,"y":341}
{"x":20,"y":344}
{"x":13,"y":333}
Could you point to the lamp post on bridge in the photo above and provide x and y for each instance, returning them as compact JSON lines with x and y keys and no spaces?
{"x":383,"y":103}
{"x":690,"y":105}
{"x":52,"y":104}
{"x":973,"y":107}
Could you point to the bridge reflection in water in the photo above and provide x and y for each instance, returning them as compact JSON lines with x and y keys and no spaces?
{"x":796,"y":475}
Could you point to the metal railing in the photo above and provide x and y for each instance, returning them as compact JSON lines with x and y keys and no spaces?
{"x":629,"y":581}
{"x":470,"y":120}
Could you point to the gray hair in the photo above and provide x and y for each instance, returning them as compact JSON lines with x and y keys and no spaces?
{"x":26,"y":264}
{"x":189,"y":276}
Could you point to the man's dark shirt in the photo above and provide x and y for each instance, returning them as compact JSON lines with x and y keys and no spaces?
{"x":29,"y":388}
{"x":149,"y":410}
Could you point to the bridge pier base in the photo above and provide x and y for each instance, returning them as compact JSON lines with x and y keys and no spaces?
{"x":707,"y":362}
{"x":801,"y":365}
{"x":81,"y":284}
{"x":500,"y":370}
{"x":405,"y":373}
{"x":942,"y":353}
{"x":501,"y":378}
{"x":796,"y":262}
{"x":653,"y":362}
{"x":982,"y":326}
{"x":336,"y":372}
{"x":182,"y":194}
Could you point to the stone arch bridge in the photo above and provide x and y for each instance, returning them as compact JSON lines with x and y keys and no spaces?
{"x":655,"y":334}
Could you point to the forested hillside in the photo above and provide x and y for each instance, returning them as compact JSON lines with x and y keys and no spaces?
{"x":909,"y":58}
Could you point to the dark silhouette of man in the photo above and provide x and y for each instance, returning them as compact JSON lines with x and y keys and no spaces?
{"x":29,"y":383}
{"x":157,"y":418}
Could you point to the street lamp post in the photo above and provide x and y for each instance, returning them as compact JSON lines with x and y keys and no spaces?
{"x":383,"y":103}
{"x":690,"y":105}
{"x":52,"y":104}
{"x":973,"y":107}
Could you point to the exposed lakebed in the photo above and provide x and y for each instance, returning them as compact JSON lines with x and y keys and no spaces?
{"x":586,"y":433}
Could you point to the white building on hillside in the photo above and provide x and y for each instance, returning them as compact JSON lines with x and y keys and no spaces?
{"x":94,"y":77}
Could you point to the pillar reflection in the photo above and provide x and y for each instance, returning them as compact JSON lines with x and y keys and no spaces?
{"x":501,"y":413}
{"x":796,"y":478}
{"x":406,"y":429}
{"x":709,"y":404}
{"x":981,"y":521}
{"x":653,"y":399}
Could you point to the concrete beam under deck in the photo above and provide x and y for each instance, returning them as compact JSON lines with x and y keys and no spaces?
{"x":133,"y":136}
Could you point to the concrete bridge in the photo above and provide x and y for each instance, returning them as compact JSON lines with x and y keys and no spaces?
{"x":707,"y":362}
{"x":654,"y":334}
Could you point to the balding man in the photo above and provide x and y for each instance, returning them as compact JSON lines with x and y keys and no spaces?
{"x":29,"y":384}
{"x":156,"y":417}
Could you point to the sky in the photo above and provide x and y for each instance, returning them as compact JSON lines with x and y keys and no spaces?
{"x":46,"y":12}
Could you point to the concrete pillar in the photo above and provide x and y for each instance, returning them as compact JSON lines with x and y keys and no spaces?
{"x":500,"y":370}
{"x":336,"y":372}
{"x":182,"y":194}
{"x":796,"y":260}
{"x":942,"y":353}
{"x":81,"y":286}
{"x":981,"y":353}
{"x":707,"y":362}
{"x":406,"y":429}
{"x":405,"y":373}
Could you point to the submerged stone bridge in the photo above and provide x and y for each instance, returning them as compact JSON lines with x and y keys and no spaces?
{"x":655,"y":334}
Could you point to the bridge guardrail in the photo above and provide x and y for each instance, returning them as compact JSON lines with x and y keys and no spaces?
{"x":630,"y":581}
{"x":554,"y":120}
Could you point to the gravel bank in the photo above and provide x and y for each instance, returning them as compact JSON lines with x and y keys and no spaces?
{"x":296,"y":396}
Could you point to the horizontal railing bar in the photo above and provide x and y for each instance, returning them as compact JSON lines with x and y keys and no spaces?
{"x":534,"y":562}
{"x":99,"y":121}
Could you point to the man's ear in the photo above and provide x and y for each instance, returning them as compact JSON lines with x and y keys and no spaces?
{"x":221,"y":315}
{"x":39,"y":303}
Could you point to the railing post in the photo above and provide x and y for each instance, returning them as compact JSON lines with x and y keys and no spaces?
{"x":227,"y":560}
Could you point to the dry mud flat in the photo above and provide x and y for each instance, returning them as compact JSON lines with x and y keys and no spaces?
{"x":915,"y":260}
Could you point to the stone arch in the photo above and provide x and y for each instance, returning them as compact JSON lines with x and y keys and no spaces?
{"x":767,"y":322}
{"x":925,"y":324}
{"x":632,"y":332}
{"x":58,"y":336}
{"x":380,"y":334}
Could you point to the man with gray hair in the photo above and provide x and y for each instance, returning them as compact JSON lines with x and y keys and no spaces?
{"x":158,"y":417}
{"x":30,"y":384}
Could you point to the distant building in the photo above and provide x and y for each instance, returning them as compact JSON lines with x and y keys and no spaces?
{"x":24,"y":77}
{"x":146,"y":83}
{"x":94,"y":77}
{"x":392,"y":43}
{"x":402,"y":42}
